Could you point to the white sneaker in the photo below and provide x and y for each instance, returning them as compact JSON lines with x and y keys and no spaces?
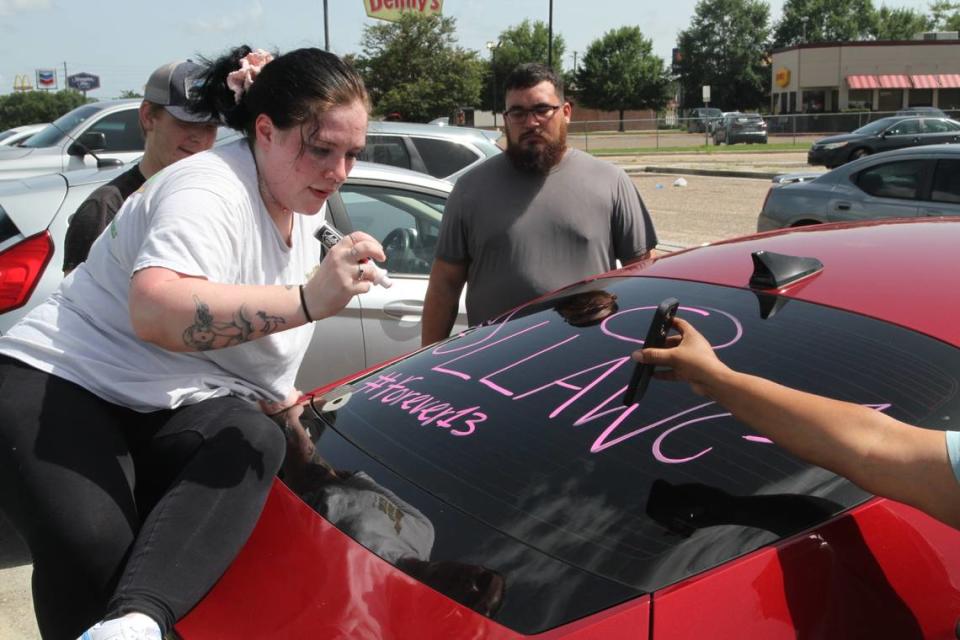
{"x":134,"y":626}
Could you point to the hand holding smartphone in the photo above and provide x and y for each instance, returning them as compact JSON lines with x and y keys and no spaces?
{"x":656,"y":337}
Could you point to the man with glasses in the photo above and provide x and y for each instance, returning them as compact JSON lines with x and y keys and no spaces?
{"x":534,"y":219}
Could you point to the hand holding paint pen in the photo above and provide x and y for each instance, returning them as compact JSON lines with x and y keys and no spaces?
{"x":329,"y":236}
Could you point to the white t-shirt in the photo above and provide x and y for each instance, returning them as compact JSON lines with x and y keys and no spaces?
{"x":202,"y":216}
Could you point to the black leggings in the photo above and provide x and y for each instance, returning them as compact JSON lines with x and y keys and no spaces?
{"x":125,"y":511}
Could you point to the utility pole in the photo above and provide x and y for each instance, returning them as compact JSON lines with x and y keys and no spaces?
{"x":550,"y":38}
{"x":492,"y":46}
{"x":326,"y":27}
{"x":574,"y":61}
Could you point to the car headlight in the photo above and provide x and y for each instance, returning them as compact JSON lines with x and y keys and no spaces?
{"x":835,"y":145}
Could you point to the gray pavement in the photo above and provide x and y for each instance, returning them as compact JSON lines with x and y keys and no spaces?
{"x":722,"y":198}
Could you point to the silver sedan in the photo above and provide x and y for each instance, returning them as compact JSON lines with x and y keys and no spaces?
{"x":912,"y":182}
{"x":402,"y":209}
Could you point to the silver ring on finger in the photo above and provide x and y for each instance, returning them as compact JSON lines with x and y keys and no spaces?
{"x":359,"y":272}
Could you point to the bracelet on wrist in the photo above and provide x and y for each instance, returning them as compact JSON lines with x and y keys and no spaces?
{"x":303,"y":305}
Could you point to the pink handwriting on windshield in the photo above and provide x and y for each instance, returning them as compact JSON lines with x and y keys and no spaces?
{"x":611,"y":416}
{"x":393,"y":389}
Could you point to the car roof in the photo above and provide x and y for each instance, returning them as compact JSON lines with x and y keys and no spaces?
{"x":416,"y":128}
{"x":894,"y":270}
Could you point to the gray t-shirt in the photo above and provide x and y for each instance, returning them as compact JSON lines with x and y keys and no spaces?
{"x":202,"y":216}
{"x":524,"y":235}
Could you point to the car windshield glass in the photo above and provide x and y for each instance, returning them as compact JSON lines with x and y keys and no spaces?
{"x":56,"y":131}
{"x":875,"y":127}
{"x":513,"y":445}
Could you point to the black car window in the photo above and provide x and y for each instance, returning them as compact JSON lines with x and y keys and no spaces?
{"x":946,"y":181}
{"x":512,"y":441}
{"x":443,"y":157}
{"x":933,"y":125}
{"x":905,"y":127}
{"x":386,"y":150}
{"x":893,"y":179}
{"x":121,"y":130}
{"x":407,"y":223}
{"x":951,"y":125}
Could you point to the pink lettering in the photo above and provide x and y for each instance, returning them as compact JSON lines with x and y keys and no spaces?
{"x":445,"y":412}
{"x":609,"y":366}
{"x":441,"y":368}
{"x":485,"y":380}
{"x":445,"y":423}
{"x":424,"y":414}
{"x":471,"y":424}
{"x":602,"y":443}
{"x":658,"y":453}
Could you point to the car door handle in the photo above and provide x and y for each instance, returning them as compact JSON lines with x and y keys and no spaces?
{"x":843,"y":206}
{"x":405,"y":310}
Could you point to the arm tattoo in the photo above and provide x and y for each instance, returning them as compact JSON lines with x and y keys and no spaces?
{"x":205,"y":334}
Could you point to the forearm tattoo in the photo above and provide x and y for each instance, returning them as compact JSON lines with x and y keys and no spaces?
{"x":205,"y":333}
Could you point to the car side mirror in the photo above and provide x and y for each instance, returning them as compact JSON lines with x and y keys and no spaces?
{"x":87,"y":142}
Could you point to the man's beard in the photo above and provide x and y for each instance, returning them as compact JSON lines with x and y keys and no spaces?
{"x":540,"y":158}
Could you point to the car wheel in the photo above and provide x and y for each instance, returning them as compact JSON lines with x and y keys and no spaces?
{"x":856,"y":154}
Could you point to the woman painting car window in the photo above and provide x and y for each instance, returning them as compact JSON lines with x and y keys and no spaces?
{"x":135,"y":453}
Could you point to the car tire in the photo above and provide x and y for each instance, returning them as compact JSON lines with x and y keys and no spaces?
{"x":856,"y":154}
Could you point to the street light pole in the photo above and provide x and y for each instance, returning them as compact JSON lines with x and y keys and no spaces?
{"x":550,"y":38}
{"x":326,"y":27}
{"x":492,"y":46}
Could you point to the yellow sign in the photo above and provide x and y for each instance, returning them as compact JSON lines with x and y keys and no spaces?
{"x":782,"y":77}
{"x":392,"y":10}
{"x":22,"y":83}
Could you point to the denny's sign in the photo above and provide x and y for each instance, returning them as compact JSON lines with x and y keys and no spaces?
{"x":392,"y":10}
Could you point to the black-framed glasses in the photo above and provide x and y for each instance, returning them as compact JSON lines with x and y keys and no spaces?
{"x":542,"y":112}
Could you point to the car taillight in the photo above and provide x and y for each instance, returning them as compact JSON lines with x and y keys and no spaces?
{"x":20,"y":269}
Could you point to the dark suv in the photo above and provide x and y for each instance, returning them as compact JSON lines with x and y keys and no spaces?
{"x":740,"y":127}
{"x":701,"y":118}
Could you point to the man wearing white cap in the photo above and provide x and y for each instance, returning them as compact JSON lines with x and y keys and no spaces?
{"x":171,"y":130}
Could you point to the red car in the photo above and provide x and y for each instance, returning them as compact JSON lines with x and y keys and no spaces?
{"x":495,"y":485}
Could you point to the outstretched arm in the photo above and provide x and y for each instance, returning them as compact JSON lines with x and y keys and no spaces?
{"x":880,"y":454}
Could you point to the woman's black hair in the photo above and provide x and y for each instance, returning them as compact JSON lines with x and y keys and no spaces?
{"x":292,"y":89}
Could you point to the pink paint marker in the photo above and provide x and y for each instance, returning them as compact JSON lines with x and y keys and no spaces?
{"x":328,"y":235}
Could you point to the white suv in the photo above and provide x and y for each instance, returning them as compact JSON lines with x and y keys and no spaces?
{"x":111,"y":130}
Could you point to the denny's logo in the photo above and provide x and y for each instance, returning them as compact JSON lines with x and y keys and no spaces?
{"x":392,"y":10}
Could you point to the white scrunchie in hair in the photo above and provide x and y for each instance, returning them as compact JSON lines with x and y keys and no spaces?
{"x":250,"y":66}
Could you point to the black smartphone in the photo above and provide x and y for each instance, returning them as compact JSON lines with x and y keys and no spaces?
{"x":656,"y":337}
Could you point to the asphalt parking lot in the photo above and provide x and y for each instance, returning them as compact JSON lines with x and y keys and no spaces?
{"x":707,"y":209}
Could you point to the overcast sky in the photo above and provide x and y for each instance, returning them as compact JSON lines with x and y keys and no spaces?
{"x":122,"y":42}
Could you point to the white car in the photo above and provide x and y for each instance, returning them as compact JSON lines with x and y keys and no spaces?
{"x":110,"y":130}
{"x":402,"y":209}
{"x":15,"y":135}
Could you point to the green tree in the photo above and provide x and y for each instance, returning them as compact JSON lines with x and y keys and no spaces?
{"x":620,"y":72}
{"x":27,"y":107}
{"x":824,"y":21}
{"x":900,"y":24}
{"x":414,"y":67}
{"x":525,"y":42}
{"x":130,"y":93}
{"x":945,"y":15}
{"x":725,"y":47}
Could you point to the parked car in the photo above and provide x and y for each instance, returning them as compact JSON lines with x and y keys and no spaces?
{"x":894,"y":132}
{"x":522,"y":498}
{"x":701,"y":119}
{"x":441,"y":151}
{"x":912,"y":182}
{"x":400,"y":208}
{"x":110,"y":129}
{"x":740,"y":127}
{"x":15,"y":135}
{"x":933,"y":112}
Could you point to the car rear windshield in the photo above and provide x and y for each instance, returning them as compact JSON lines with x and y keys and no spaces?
{"x":512,"y":446}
